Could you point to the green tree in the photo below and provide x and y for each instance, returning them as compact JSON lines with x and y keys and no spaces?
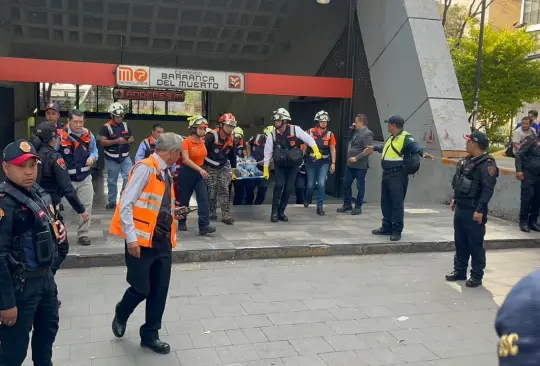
{"x":457,"y":17}
{"x":509,"y":78}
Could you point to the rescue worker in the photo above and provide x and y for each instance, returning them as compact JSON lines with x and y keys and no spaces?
{"x":54,"y":178}
{"x":116,"y":138}
{"x":79,"y":150}
{"x":473,"y":184}
{"x":148,"y":145}
{"x":194,"y":176}
{"x":28,"y":250}
{"x":241,"y":153}
{"x":145,"y":218}
{"x":220,"y":163}
{"x":255,"y":149}
{"x":317,"y":171}
{"x":395,"y":177}
{"x":528,"y":172}
{"x":283,"y":145}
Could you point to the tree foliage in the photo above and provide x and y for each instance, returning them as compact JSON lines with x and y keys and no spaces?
{"x":509,"y":79}
{"x":456,"y":17}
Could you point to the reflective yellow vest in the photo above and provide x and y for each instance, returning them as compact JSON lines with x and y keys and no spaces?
{"x":397,"y":141}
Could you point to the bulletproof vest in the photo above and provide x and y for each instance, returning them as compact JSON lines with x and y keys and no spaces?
{"x":75,"y":154}
{"x":150,"y":144}
{"x":257,"y":147}
{"x":117,"y":152}
{"x":162,"y":231}
{"x":46,"y":177}
{"x":464,"y":183}
{"x":38,"y":243}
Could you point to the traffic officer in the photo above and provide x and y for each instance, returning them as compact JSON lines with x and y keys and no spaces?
{"x":398,"y":147}
{"x":145,"y":218}
{"x":220,"y":163}
{"x":283,"y":145}
{"x":317,"y":171}
{"x":473,"y":184}
{"x":148,"y":145}
{"x":79,"y":149}
{"x":115,"y":137}
{"x":28,"y":249}
{"x":528,"y":172}
{"x":241,"y":153}
{"x":255,"y":149}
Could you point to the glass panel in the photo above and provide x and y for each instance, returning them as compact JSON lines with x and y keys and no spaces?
{"x":63,"y":94}
{"x":142,"y":106}
{"x":87,"y":98}
{"x":159,"y":108}
{"x":105,"y":98}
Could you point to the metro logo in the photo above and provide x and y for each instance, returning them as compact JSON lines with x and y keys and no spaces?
{"x":132,"y":76}
{"x":235,"y":82}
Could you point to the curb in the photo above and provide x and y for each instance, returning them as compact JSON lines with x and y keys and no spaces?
{"x":293,"y":251}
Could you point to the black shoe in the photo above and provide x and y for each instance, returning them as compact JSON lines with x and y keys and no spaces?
{"x":207,"y":230}
{"x":524,"y":227}
{"x":455,"y":276}
{"x":344,"y":209}
{"x":395,"y":237}
{"x":58,"y":304}
{"x":118,"y":328}
{"x":182,"y":226}
{"x":473,"y":282}
{"x":213,"y":217}
{"x":381,"y":231}
{"x":356,"y":211}
{"x":320,"y":211}
{"x":274,"y":218}
{"x":283,"y":217}
{"x":84,"y":241}
{"x":110,"y":206}
{"x":306,"y":203}
{"x":228,"y":220}
{"x":534,"y":226}
{"x":157,"y":346}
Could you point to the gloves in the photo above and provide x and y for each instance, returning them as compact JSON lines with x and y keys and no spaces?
{"x":233,"y":173}
{"x":316,"y":152}
{"x":266,"y":173}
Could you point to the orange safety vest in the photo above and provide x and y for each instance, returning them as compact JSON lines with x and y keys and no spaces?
{"x":146,"y":209}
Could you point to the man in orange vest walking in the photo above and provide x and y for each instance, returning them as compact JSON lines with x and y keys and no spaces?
{"x":145,"y":218}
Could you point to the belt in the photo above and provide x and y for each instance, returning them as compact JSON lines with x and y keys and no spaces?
{"x":466,"y":202}
{"x":35,"y":273}
{"x":392,"y":170}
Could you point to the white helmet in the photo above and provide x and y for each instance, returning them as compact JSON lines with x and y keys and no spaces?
{"x":281,"y":114}
{"x":197,"y":121}
{"x":116,"y":109}
{"x":322,"y":116}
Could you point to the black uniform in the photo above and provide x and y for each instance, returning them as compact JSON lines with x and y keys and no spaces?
{"x":256,"y":145}
{"x":473,"y":184}
{"x":27,"y":254}
{"x":528,"y":162}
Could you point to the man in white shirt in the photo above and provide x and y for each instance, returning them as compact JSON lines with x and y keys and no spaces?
{"x":521,"y":133}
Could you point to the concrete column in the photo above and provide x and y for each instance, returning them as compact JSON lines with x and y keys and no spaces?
{"x":412,"y":72}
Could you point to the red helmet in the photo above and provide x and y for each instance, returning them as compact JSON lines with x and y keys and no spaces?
{"x":228,"y":119}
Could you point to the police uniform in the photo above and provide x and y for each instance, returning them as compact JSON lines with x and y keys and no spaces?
{"x":54,"y":178}
{"x":528,"y":163}
{"x":256,"y":146}
{"x":395,"y":179}
{"x":517,"y":324}
{"x":27,"y":255}
{"x":473,"y":184}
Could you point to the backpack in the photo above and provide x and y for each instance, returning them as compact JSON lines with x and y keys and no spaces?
{"x":411,"y":162}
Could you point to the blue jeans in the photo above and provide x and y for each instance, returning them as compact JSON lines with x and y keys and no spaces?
{"x":317,"y":172}
{"x":350,"y":175}
{"x":113,"y":169}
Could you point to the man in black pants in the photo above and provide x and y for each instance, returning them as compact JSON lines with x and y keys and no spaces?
{"x":528,"y":172}
{"x":283,"y":145}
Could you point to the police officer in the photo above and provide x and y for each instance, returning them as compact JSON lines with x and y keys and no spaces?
{"x":148,"y":145}
{"x":473,"y":184}
{"x":255,"y":149}
{"x":30,"y":235}
{"x":528,"y":172}
{"x":283,"y":145}
{"x":398,"y":147}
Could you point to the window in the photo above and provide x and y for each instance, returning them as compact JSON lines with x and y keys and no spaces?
{"x":63,"y":94}
{"x":531,"y":12}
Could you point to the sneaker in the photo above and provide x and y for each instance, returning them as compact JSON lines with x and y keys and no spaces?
{"x":207,"y":230}
{"x":356,"y":211}
{"x":110,"y":206}
{"x":84,"y":241}
{"x":455,"y":276}
{"x":320,"y":211}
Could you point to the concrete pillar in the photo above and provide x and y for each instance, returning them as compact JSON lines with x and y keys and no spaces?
{"x":412,"y":72}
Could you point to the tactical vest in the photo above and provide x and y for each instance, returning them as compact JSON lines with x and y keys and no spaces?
{"x":287,"y":148}
{"x":286,"y":140}
{"x":323,"y":143}
{"x":117,"y":152}
{"x":218,"y":153}
{"x":46,"y":176}
{"x":76,"y":150}
{"x":150,"y":146}
{"x":38,"y":244}
{"x":257,"y":147}
{"x":465,"y":186}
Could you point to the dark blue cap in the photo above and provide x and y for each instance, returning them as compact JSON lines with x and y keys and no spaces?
{"x":518,"y":324}
{"x":53,"y":105}
{"x":396,"y":120}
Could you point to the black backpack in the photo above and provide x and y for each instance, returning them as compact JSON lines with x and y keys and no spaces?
{"x":411,"y":162}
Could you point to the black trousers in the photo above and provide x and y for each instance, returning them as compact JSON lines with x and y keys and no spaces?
{"x":261,"y":185}
{"x":37,"y":308}
{"x":63,"y":250}
{"x":530,"y":198}
{"x":189,"y":181}
{"x":393,"y":190}
{"x":284,"y":185}
{"x":149,"y":277}
{"x":300,"y":187}
{"x":469,"y":238}
{"x":239,"y":192}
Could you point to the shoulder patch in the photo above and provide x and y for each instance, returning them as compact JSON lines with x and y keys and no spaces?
{"x":61,"y":163}
{"x":492,"y":170}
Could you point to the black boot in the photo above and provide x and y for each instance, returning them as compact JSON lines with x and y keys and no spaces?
{"x":357,"y":210}
{"x":381,"y":231}
{"x":455,"y":276}
{"x":207,"y":230}
{"x":473,"y":282}
{"x":283,"y":217}
{"x":524,"y":227}
{"x":344,"y":209}
{"x":320,"y":211}
{"x":534,"y":226}
{"x":182,"y":226}
{"x":395,"y":236}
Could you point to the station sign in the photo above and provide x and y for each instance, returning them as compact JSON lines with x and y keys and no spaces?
{"x":149,"y":94}
{"x":179,"y":79}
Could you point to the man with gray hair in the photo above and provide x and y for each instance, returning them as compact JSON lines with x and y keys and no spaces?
{"x":146,"y":218}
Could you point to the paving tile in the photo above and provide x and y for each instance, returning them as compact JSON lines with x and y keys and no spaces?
{"x":252,"y":321}
{"x":309,"y":346}
{"x":379,"y":357}
{"x":342,"y":359}
{"x":211,"y":339}
{"x":281,"y":333}
{"x":346,"y":342}
{"x":311,"y":360}
{"x":275,"y":349}
{"x":199,"y":357}
{"x":241,"y":353}
{"x":414,"y":353}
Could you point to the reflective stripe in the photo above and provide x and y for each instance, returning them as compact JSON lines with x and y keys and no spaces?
{"x":147,"y":205}
{"x":111,"y":155}
{"x":323,"y":156}
{"x":393,"y":159}
{"x":150,"y":196}
{"x":142,"y":234}
{"x":83,"y":169}
{"x":125,"y":154}
{"x":111,"y":132}
{"x":213,"y":162}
